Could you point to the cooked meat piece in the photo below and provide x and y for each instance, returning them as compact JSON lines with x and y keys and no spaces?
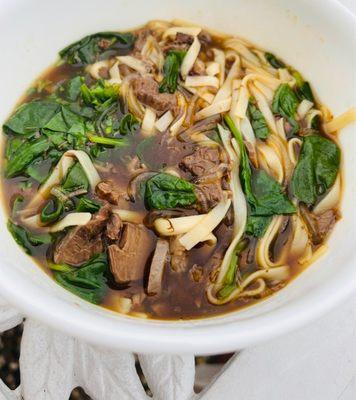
{"x":196,"y":273}
{"x":203,"y":161}
{"x":129,"y":256}
{"x":110,"y":191}
{"x":198,"y":68}
{"x":179,"y":259}
{"x":209,"y":195}
{"x":125,"y":70}
{"x":113,"y":227}
{"x":181,"y":42}
{"x":141,"y":38}
{"x":319,"y":225}
{"x":184,"y":38}
{"x":159,"y":260}
{"x":146,"y":90}
{"x":82,"y":242}
{"x":205,"y":39}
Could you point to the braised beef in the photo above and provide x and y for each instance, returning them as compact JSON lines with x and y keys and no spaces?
{"x":179,"y":256}
{"x":111,"y":192}
{"x":181,"y":42}
{"x":82,"y":242}
{"x":202,"y":162}
{"x":319,"y":225}
{"x":113,"y":227}
{"x":129,"y":255}
{"x":158,"y":263}
{"x":184,"y":38}
{"x":146,"y":90}
{"x":198,"y":68}
{"x":209,"y":195}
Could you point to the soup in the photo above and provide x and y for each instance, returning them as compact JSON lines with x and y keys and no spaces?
{"x":171,"y":172}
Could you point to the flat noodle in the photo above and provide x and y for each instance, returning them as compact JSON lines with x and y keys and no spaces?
{"x":190,"y":57}
{"x":340,"y":121}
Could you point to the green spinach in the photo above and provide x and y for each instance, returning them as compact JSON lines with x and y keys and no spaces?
{"x":101,"y":95}
{"x":52,"y":211}
{"x":317,"y":168}
{"x":303,"y":89}
{"x":25,"y":154}
{"x":164,"y":191}
{"x":75,"y":179}
{"x":26,"y":239}
{"x":258,"y":122}
{"x":87,"y":205}
{"x":88,"y":49}
{"x":87,"y":281}
{"x":128,"y":124}
{"x":171,"y":71}
{"x":274,"y":61}
{"x":30,"y":117}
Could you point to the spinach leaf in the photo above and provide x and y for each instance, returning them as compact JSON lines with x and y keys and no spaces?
{"x":171,"y":71}
{"x":72,"y":87}
{"x":258,"y":122}
{"x":317,"y":168}
{"x":257,"y":225}
{"x":165,"y":191}
{"x":88,"y":49}
{"x":274,"y":61}
{"x":30,"y":117}
{"x":66,"y":121}
{"x":87,"y":205}
{"x":229,"y":282}
{"x":108,"y":141}
{"x":87,"y":281}
{"x":303,"y":89}
{"x":128,"y":124}
{"x":37,"y":172}
{"x":25,"y":154}
{"x":245,"y":168}
{"x":52,"y":211}
{"x":101,"y":95}
{"x":264,"y":195}
{"x":27,"y":239}
{"x":270,"y":199}
{"x":75,"y":179}
{"x":285,"y":101}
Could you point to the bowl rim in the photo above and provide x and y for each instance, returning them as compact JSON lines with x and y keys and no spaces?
{"x":166,"y":337}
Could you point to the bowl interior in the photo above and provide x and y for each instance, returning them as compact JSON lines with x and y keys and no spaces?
{"x":315,"y":37}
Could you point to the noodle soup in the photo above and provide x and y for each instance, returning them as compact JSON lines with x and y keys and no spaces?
{"x":171,"y":172}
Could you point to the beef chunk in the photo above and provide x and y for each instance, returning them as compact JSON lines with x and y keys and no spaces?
{"x":198,"y":68}
{"x":205,"y":39}
{"x":184,"y":38}
{"x":319,"y":225}
{"x":146,"y":90}
{"x":179,"y":259}
{"x":181,"y":42}
{"x":157,"y":267}
{"x":82,"y":242}
{"x":202,"y":162}
{"x":128,"y":256}
{"x":113,"y":227}
{"x":209,"y":195}
{"x":110,"y":191}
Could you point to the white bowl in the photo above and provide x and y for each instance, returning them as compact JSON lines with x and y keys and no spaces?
{"x":317,"y":37}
